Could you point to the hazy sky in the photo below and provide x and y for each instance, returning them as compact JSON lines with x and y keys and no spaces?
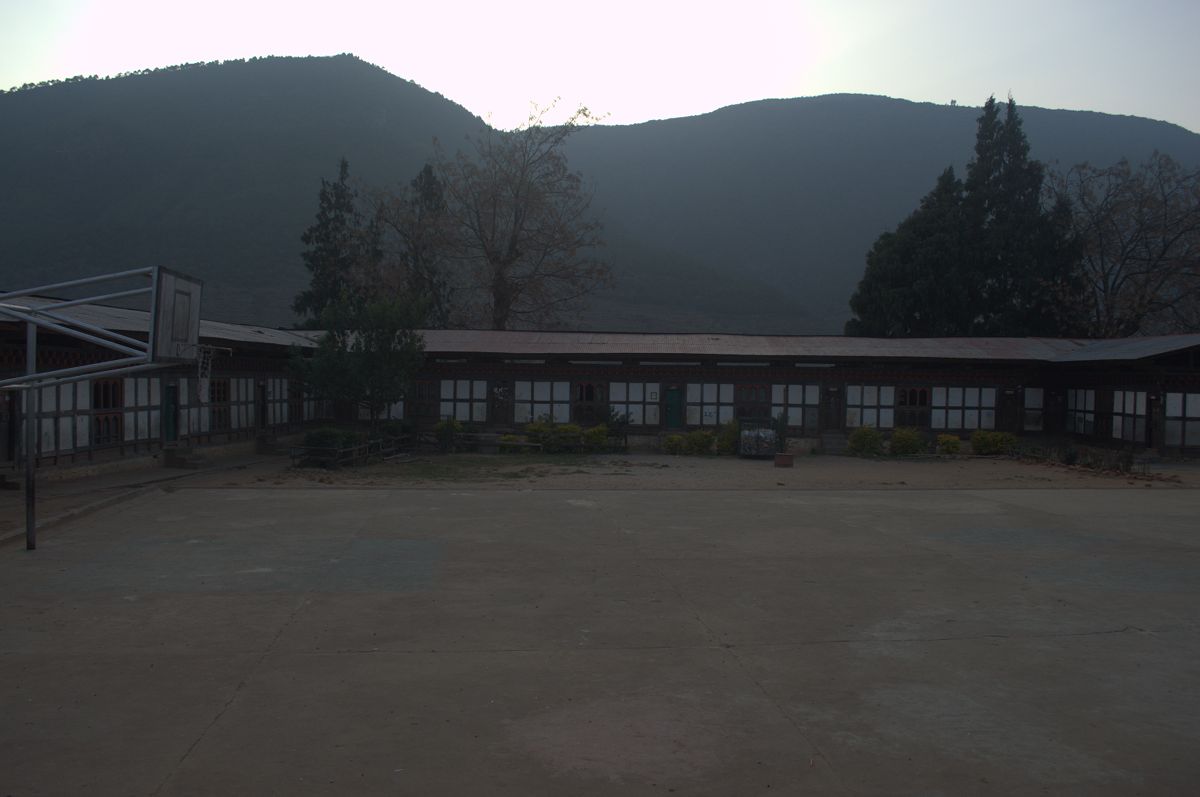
{"x":646,"y":60}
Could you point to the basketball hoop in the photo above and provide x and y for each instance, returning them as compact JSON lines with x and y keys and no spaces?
{"x":171,"y":335}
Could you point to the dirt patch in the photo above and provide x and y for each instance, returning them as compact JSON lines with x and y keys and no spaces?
{"x":658,"y":472}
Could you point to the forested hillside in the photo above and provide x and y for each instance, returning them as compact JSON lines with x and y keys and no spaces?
{"x":752,"y":218}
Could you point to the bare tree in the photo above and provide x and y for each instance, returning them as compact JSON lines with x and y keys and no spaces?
{"x":1138,"y":238}
{"x":522,"y":224}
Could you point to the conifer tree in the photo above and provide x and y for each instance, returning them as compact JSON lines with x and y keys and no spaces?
{"x":335,"y":246}
{"x":978,"y":257}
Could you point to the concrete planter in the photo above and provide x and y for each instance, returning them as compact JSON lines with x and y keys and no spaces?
{"x":784,"y":460}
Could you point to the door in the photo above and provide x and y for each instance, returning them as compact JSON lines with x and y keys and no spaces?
{"x":260,"y":406}
{"x":674,"y":408}
{"x":833,"y":415}
{"x":10,"y":421}
{"x":170,"y":414}
{"x":912,"y":407}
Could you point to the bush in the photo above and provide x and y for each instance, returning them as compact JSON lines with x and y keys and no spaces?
{"x":395,"y":428}
{"x":506,"y":444}
{"x":596,"y":438}
{"x":331,"y":437}
{"x":325,"y":437}
{"x":1069,"y":455}
{"x":699,"y":442}
{"x":447,"y":432}
{"x":538,"y":431}
{"x":948,"y":444}
{"x":781,"y":432}
{"x":865,"y":441}
{"x":727,"y":438}
{"x":984,"y":442}
{"x":907,"y":442}
{"x":673,"y":444}
{"x":562,"y":437}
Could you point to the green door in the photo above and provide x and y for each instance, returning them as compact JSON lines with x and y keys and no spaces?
{"x":674,"y":408}
{"x":170,"y":414}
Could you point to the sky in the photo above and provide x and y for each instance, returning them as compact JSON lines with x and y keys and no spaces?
{"x":630,"y":62}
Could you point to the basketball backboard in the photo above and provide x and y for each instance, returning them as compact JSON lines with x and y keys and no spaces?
{"x":175,"y":321}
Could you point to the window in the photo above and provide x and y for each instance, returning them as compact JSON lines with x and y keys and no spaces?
{"x":799,"y":402}
{"x":752,"y":401}
{"x":1182,"y":412}
{"x":107,"y":419}
{"x":277,"y":402}
{"x":966,"y":408}
{"x":870,"y":405}
{"x":1081,"y":411}
{"x":1129,"y":415}
{"x":464,"y":399}
{"x":637,"y":400}
{"x":1034,"y":400}
{"x":535,"y":400}
{"x":709,"y":404}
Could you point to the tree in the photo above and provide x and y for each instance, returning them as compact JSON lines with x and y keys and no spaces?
{"x":978,"y":257}
{"x":522,"y":225}
{"x":1018,"y":256}
{"x":1138,"y":236}
{"x":334,"y":247}
{"x":416,"y":243}
{"x":908,"y":288}
{"x":368,"y":355}
{"x":370,"y":350}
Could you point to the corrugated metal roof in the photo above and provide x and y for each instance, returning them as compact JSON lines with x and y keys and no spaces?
{"x":1127,"y":349}
{"x":120,"y":319}
{"x":598,"y":344}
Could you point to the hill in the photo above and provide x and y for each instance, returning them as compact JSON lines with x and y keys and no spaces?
{"x":755,"y":217}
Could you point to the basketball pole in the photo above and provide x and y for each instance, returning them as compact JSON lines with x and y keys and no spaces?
{"x":173,"y":330}
{"x":31,"y":401}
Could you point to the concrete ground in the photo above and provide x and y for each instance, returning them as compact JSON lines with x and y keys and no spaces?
{"x":725,"y":642}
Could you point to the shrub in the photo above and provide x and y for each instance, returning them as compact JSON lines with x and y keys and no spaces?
{"x":395,"y":428}
{"x":447,"y":432}
{"x":596,"y":438}
{"x":538,"y":431}
{"x":1069,"y":455}
{"x":699,"y":442}
{"x":948,"y":444}
{"x":325,"y":437}
{"x":673,"y":444}
{"x":865,"y":441}
{"x":727,"y":438}
{"x":907,"y":442}
{"x":781,"y":432}
{"x":562,"y":437}
{"x":985,"y":442}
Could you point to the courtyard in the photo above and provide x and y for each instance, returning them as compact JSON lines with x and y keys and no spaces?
{"x":594,"y":633}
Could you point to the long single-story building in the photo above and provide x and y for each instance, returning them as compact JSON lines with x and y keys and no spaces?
{"x":1135,"y":392}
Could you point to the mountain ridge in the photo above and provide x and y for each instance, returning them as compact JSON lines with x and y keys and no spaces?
{"x":754,"y":217}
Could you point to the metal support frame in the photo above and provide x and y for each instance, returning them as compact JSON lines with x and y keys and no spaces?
{"x":138,"y":355}
{"x":31,"y":398}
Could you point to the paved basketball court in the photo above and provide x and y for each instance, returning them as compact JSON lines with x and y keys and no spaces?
{"x":280,"y":641}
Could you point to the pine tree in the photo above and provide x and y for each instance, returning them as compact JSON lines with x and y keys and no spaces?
{"x":335,"y":246}
{"x":1018,"y":259}
{"x":978,"y":257}
{"x":913,"y":285}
